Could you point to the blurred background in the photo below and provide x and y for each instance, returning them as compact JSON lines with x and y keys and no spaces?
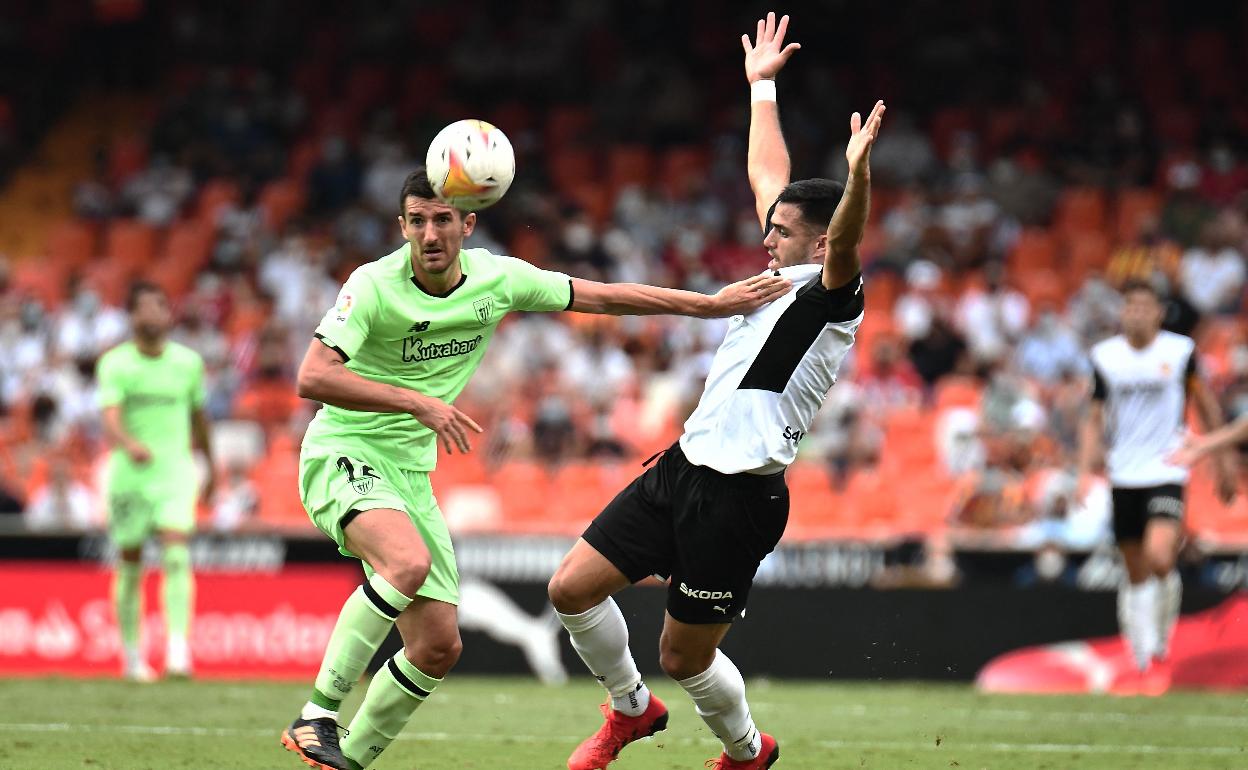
{"x":247,"y":157}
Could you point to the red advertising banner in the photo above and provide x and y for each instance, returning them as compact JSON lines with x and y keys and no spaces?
{"x":57,"y":618}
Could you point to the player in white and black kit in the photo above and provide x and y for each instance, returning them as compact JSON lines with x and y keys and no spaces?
{"x":1143,"y":380}
{"x":715,"y":503}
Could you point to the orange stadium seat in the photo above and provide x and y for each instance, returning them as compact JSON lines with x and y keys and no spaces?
{"x":1043,"y":286}
{"x":629,"y":164}
{"x":1080,"y":210}
{"x":681,"y":168}
{"x":276,"y":478}
{"x":1086,"y":251}
{"x":72,"y":242}
{"x":571,"y":166}
{"x":130,"y":244}
{"x":280,"y":200}
{"x":568,"y":126}
{"x":213,"y":196}
{"x":956,"y":391}
{"x":45,"y":280}
{"x":592,"y":198}
{"x":1134,"y":207}
{"x":303,"y":157}
{"x":524,"y":487}
{"x":189,"y":245}
{"x":1036,"y":248}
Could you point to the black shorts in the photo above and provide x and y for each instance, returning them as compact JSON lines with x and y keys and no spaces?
{"x":706,"y":530}
{"x":1134,"y":507}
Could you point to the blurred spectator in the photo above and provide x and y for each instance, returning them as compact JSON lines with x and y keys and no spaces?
{"x":1093,"y":311}
{"x":992,"y":317}
{"x":63,"y":503}
{"x":1213,"y":272}
{"x":157,"y":193}
{"x":1049,"y":349}
{"x":889,"y":380}
{"x":1142,"y":260}
{"x":938,"y":353}
{"x":89,"y":327}
{"x":236,"y":502}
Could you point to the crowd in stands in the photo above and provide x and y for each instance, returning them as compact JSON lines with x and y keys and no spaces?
{"x":1005,"y":218}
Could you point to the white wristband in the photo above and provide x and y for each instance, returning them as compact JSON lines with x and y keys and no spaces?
{"x":763,"y":91}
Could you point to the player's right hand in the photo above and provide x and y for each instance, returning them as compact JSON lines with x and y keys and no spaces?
{"x":138,"y":453}
{"x":451,"y":425}
{"x":1189,"y":454}
{"x":766,"y":57}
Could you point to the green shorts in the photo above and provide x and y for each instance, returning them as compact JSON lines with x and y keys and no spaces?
{"x":138,"y":507}
{"x":333,"y":486}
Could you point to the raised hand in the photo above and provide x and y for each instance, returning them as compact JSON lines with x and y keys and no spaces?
{"x":861,"y":137}
{"x":767,"y":55}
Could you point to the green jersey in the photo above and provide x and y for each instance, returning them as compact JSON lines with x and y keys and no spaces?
{"x":390,"y":330}
{"x":156,"y":396}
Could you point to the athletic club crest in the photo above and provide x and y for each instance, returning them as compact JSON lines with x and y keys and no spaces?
{"x":362,"y":484}
{"x":485,"y":309}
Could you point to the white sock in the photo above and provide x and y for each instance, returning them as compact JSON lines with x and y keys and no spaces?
{"x":134,"y":658}
{"x":1142,"y":616}
{"x":313,"y":711}
{"x":600,"y":637}
{"x":1169,"y":600}
{"x":178,"y":654}
{"x":718,"y":693}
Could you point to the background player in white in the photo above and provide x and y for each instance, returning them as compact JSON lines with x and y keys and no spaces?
{"x":1143,"y":380}
{"x":716,"y":503}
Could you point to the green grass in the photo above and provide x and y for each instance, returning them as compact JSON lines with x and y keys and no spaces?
{"x":510,"y":724}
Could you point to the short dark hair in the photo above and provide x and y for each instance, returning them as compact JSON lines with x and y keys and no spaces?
{"x":137,"y":290}
{"x":417,"y":186}
{"x":1139,"y":284}
{"x":817,"y":199}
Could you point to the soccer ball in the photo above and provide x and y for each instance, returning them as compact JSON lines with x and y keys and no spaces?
{"x":470,"y":164}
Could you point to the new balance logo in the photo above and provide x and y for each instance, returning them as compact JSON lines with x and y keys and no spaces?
{"x":695,"y":593}
{"x":419,"y":326}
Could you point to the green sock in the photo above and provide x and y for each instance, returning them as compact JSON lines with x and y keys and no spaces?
{"x":362,"y":626}
{"x":128,"y":601}
{"x":395,"y":693}
{"x":178,"y":588}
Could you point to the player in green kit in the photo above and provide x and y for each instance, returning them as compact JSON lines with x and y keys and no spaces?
{"x":388,"y":361}
{"x":151,"y":392}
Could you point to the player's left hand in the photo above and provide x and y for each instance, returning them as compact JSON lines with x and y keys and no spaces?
{"x":748,"y":295}
{"x":1189,"y":454}
{"x":861,"y":137}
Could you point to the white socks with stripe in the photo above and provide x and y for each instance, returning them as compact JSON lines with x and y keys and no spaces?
{"x":718,"y":693}
{"x":600,"y":637}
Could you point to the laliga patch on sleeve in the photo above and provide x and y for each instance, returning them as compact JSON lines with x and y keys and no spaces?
{"x":342,"y":308}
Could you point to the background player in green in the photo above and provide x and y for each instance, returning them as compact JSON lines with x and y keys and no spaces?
{"x":404,"y":337}
{"x":151,"y":393}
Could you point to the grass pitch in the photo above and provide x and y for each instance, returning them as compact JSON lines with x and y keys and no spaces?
{"x":512,"y":724}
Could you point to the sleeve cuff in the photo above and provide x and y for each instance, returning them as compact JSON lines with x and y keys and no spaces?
{"x":329,"y":344}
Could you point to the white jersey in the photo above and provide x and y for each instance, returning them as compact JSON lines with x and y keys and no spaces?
{"x":771,"y":374}
{"x":1145,"y":397}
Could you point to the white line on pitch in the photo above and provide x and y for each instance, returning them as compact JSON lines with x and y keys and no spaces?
{"x":443,"y":737}
{"x":1022,"y":715}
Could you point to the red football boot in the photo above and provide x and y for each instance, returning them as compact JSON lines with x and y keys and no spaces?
{"x":619,"y":730}
{"x":767,"y":756}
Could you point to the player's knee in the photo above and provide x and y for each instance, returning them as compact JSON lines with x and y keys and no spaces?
{"x":564,"y":595}
{"x":683,"y":664}
{"x":407,"y":573}
{"x":435,"y":655}
{"x":1160,"y":561}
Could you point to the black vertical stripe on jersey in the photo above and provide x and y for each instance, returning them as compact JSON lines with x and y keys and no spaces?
{"x":797,"y":329}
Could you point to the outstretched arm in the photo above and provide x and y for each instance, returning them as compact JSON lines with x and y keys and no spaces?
{"x":840,"y":262}
{"x":639,"y":299}
{"x":1227,"y":436}
{"x":767,"y":160}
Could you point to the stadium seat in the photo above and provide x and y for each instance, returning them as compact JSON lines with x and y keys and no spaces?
{"x":629,"y":165}
{"x":72,"y":242}
{"x":681,"y":169}
{"x":1134,"y":207}
{"x":1086,"y":251}
{"x":213,"y":196}
{"x":130,"y":244}
{"x":956,"y":391}
{"x":280,"y":200}
{"x":1043,"y":286}
{"x":572,"y":167}
{"x":1036,"y":249}
{"x":127,"y":156}
{"x":45,"y":280}
{"x":188,"y":245}
{"x":1080,"y":210}
{"x":568,"y":126}
{"x":525,"y":489}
